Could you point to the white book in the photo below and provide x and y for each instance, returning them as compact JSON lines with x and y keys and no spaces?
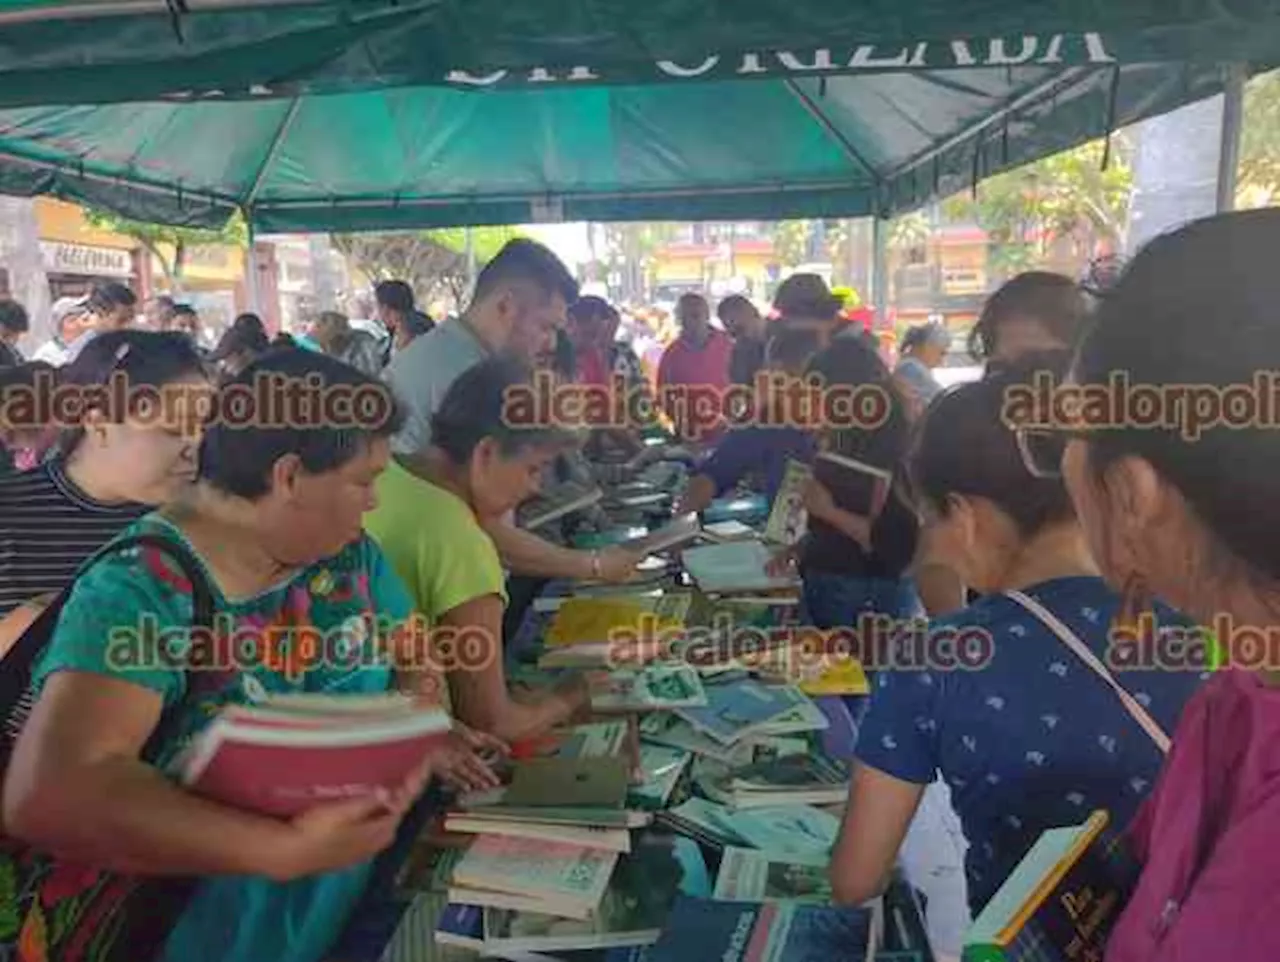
{"x":735,"y":567}
{"x":464,"y":895}
{"x":608,"y":839}
{"x":551,"y":871}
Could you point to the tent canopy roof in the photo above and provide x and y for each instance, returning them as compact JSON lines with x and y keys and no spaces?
{"x":368,"y":115}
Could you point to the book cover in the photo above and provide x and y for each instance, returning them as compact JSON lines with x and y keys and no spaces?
{"x":545,"y":870}
{"x":588,"y":836}
{"x":699,"y":929}
{"x":841,"y":676}
{"x":280,"y":770}
{"x":557,"y":815}
{"x":593,"y":740}
{"x":654,"y":687}
{"x":788,"y":518}
{"x":810,"y":779}
{"x":632,"y":912}
{"x":735,"y":711}
{"x":856,"y":486}
{"x":1060,"y":903}
{"x":661,"y":768}
{"x":556,"y":503}
{"x":487,"y":899}
{"x":617,"y":618}
{"x":748,"y":875}
{"x":679,"y":532}
{"x":728,"y":531}
{"x":569,"y":782}
{"x":735,"y":567}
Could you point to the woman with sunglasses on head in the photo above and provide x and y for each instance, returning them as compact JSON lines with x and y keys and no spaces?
{"x":1027,"y":736}
{"x":111,"y":467}
{"x":1190,"y":517}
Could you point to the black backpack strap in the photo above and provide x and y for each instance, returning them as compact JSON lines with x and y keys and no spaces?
{"x":18,"y":664}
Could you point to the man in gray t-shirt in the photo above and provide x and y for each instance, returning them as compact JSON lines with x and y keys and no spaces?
{"x":521,"y":297}
{"x":422,"y":373}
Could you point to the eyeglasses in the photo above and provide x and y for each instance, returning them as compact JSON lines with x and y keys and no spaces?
{"x":1041,"y":448}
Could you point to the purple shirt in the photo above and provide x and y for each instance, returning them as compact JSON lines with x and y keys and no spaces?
{"x":759,"y":451}
{"x":1207,"y":835}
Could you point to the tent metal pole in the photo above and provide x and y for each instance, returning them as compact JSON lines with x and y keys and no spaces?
{"x":1232,"y":126}
{"x":880,"y":269}
{"x":251,"y":268}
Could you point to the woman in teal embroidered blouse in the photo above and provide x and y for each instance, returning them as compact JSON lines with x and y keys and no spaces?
{"x":275,"y":521}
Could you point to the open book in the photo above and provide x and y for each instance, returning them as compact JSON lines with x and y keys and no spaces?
{"x":299,"y":751}
{"x":734,"y":568}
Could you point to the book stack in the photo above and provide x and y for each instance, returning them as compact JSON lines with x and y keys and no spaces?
{"x":561,"y":860}
{"x":809,"y":779}
{"x":288,"y":753}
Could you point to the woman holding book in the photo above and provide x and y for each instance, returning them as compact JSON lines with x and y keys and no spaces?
{"x":1006,"y":704}
{"x":1190,"y":516}
{"x":429,"y":521}
{"x":854,"y":557}
{"x":274,"y":528}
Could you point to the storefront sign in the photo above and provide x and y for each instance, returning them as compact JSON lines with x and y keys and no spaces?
{"x":62,"y":258}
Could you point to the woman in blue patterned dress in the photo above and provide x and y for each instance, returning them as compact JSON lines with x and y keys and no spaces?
{"x":1024,"y":733}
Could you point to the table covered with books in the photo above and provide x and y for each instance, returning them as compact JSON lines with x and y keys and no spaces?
{"x":692,"y":817}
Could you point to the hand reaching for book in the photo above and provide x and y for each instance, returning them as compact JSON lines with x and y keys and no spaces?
{"x":782,"y":564}
{"x":461,"y":762}
{"x":337,"y":835}
{"x":618,"y":564}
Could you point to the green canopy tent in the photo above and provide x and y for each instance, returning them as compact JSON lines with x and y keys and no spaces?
{"x":371,"y":115}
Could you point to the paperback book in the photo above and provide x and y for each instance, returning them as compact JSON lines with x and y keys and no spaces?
{"x":748,"y":875}
{"x":1061,"y":902}
{"x":737,"y":567}
{"x":855,"y":486}
{"x":569,"y":877}
{"x":660,"y":771}
{"x":736,"y":711}
{"x":652,"y":688}
{"x":809,"y":779}
{"x":699,"y":929}
{"x":788,"y":517}
{"x":281,"y":761}
{"x":632,"y":912}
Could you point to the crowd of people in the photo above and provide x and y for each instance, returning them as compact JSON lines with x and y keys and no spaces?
{"x":1042,"y":538}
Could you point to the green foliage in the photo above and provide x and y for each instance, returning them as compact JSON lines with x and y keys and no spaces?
{"x":167,"y":244}
{"x":1066,"y":197}
{"x":432,"y":262}
{"x":1259,"y":173}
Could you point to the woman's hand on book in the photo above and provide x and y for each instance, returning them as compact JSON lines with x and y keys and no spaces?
{"x":464,"y":763}
{"x":617,"y":564}
{"x":817,"y":499}
{"x":336,"y":835}
{"x":782,"y":564}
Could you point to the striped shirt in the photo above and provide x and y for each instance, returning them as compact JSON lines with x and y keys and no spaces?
{"x":48,"y":527}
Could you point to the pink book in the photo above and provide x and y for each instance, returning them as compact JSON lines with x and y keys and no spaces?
{"x":271,"y":766}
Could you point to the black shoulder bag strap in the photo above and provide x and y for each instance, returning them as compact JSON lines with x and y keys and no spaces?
{"x":18,"y":664}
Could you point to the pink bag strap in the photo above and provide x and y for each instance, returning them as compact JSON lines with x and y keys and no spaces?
{"x":1081,"y":651}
